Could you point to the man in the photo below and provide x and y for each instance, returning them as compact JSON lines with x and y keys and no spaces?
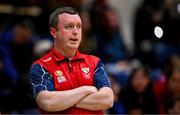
{"x":64,"y":80}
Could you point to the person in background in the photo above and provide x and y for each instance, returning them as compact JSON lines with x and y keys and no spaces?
{"x":168,"y":87}
{"x":138,"y":96}
{"x":17,"y":55}
{"x":110,"y":42}
{"x":88,"y":43}
{"x":66,"y":81}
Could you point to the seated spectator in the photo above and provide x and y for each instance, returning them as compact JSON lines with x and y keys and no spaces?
{"x":168,"y":88}
{"x":138,"y":96}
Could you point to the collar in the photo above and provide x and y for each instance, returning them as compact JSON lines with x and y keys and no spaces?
{"x":58,"y":57}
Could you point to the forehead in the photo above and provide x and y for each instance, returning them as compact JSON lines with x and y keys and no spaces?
{"x":69,"y":18}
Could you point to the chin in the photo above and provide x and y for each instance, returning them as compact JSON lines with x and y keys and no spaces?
{"x":73,"y":47}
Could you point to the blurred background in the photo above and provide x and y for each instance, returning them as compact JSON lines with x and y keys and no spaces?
{"x":138,"y":41}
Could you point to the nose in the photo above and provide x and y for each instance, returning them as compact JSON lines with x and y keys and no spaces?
{"x":75,"y":30}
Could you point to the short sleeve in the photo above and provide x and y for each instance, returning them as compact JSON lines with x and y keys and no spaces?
{"x":101,"y":78}
{"x":40,"y":79}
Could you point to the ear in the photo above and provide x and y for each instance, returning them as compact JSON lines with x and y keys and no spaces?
{"x":53,"y":32}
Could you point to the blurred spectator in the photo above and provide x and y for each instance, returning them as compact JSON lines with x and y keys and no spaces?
{"x":105,"y":26}
{"x":169,"y":88}
{"x":21,"y":49}
{"x":147,"y":17}
{"x":89,"y":43}
{"x":122,"y":70}
{"x":138,"y":96}
{"x":150,"y":48}
{"x":20,"y":41}
{"x":19,"y":45}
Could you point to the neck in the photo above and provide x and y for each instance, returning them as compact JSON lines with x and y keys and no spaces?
{"x":69,"y":53}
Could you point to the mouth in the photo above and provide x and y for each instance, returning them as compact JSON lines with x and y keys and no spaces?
{"x":73,"y":39}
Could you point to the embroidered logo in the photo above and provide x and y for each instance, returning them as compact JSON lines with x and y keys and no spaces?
{"x":86,"y":72}
{"x":60,"y":77}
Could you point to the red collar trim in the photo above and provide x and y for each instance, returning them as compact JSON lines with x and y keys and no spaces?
{"x":58,"y":57}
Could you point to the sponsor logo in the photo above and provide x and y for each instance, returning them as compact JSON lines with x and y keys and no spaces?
{"x":58,"y":73}
{"x":60,"y":77}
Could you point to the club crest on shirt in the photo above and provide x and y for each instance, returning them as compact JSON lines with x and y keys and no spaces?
{"x":86,"y":72}
{"x":60,"y":77}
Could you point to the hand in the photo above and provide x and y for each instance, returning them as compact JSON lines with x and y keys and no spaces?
{"x":88,"y":90}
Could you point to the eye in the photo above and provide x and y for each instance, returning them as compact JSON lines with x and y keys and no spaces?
{"x":69,"y":27}
{"x":78,"y":26}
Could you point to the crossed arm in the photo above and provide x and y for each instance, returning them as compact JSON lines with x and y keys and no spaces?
{"x":100,"y":100}
{"x":86,"y":97}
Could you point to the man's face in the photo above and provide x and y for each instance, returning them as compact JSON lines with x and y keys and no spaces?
{"x":69,"y":31}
